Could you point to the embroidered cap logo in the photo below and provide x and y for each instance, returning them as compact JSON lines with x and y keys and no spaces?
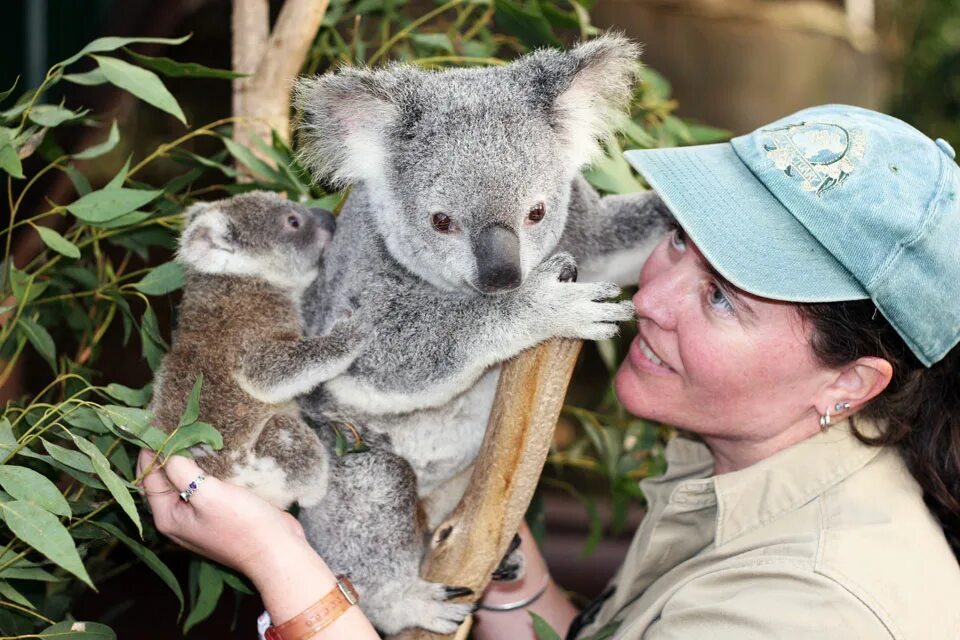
{"x":820,"y":154}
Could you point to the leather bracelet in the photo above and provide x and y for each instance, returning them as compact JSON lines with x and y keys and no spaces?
{"x":526,"y":602}
{"x":318,"y":616}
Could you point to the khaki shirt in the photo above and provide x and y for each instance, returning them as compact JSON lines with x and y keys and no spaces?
{"x":827,"y":539}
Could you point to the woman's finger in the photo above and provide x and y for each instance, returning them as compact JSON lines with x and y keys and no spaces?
{"x":182,"y":471}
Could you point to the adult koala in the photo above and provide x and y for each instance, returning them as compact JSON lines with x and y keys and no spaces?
{"x":465,"y":184}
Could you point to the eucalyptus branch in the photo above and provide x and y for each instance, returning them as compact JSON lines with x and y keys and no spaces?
{"x":406,"y":31}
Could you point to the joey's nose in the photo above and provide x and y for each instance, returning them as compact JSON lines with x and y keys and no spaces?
{"x":497,"y":251}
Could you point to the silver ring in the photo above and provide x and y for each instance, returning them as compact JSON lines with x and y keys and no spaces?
{"x":186,"y":494}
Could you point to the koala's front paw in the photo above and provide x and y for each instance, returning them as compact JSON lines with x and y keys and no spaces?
{"x":427,"y":605}
{"x":576,"y":310}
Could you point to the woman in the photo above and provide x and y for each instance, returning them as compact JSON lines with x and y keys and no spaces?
{"x":800,"y":324}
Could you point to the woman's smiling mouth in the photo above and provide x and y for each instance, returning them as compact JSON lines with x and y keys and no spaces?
{"x":644,"y":357}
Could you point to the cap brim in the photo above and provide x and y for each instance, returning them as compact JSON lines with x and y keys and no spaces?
{"x":745,"y":233}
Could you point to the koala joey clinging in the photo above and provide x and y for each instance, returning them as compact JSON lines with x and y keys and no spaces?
{"x":247,"y":261}
{"x":465,"y":228}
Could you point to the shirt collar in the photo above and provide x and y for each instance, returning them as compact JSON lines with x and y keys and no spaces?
{"x":760,"y":493}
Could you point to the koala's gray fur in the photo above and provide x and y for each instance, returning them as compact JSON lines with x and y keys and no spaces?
{"x":485,"y":147}
{"x":247,"y":261}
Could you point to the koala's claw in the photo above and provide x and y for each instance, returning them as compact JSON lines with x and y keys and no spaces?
{"x":421,"y":604}
{"x":456,"y":592}
{"x":512,"y":567}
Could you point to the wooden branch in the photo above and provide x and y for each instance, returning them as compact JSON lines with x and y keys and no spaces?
{"x":274,"y":59}
{"x":468,"y":546}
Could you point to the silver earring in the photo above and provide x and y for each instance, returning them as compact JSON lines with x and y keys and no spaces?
{"x":825,"y":421}
{"x":841,"y":406}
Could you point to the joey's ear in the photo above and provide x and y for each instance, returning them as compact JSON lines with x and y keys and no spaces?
{"x":587,"y":90}
{"x":345,"y":119}
{"x":206,"y":237}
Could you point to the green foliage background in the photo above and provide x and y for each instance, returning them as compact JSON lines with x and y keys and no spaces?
{"x":68,"y":502}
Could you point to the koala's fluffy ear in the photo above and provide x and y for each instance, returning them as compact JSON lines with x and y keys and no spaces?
{"x":205,"y":241}
{"x":587,"y":90}
{"x":345,"y":118}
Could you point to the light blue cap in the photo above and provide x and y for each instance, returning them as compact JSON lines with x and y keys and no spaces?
{"x":831,"y":203}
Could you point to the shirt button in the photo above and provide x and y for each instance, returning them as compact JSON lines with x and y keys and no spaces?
{"x":946,"y":148}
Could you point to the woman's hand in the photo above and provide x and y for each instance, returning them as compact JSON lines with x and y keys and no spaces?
{"x":221,"y":521}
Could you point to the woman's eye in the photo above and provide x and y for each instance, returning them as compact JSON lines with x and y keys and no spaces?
{"x":717,"y":299}
{"x":678,"y":240}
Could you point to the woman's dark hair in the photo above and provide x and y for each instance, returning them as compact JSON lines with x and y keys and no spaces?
{"x":920,"y":408}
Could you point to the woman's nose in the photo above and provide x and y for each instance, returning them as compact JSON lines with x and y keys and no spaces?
{"x":659,"y":298}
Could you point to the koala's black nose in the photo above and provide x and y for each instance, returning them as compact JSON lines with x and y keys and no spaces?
{"x":325,"y":219}
{"x":497,"y":251}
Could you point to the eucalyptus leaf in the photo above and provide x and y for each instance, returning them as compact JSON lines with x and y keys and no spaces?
{"x":161,"y":280}
{"x":57,"y":242}
{"x":88,"y":79}
{"x":115,"y":484}
{"x":8,"y":592}
{"x":133,"y":425}
{"x":97,"y":150}
{"x":25,"y":287}
{"x":77,"y":179}
{"x":141,"y":83}
{"x":126,"y":220}
{"x":175,"y":69}
{"x":526,"y":23}
{"x":83,"y":418}
{"x":542,"y":628}
{"x":133,"y":397}
{"x":121,"y":176}
{"x":210,"y":586}
{"x":73,"y":630}
{"x":49,"y":115}
{"x":69,"y":457}
{"x":436,"y":41}
{"x":43,"y":531}
{"x":191,"y":413}
{"x":149,"y":558}
{"x":28,"y":485}
{"x":191,"y":435}
{"x":111,"y":43}
{"x":246,"y":157}
{"x":6,"y":94}
{"x":40,"y":339}
{"x":108,"y":204}
{"x":10,"y":161}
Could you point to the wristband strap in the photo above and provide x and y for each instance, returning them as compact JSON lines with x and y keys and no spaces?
{"x":526,"y":602}
{"x":318,"y":616}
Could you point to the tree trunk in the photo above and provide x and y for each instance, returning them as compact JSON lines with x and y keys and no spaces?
{"x":468,"y":546}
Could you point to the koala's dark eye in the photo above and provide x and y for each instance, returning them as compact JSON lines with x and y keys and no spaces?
{"x":293,"y":221}
{"x":443,"y":223}
{"x":537,"y":212}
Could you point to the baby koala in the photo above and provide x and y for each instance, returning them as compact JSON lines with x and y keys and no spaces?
{"x":247,"y":261}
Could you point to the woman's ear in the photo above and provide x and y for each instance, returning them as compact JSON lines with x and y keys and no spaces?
{"x":856,"y":384}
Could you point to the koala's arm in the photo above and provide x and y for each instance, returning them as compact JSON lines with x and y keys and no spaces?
{"x":429,"y":348}
{"x":277,"y":370}
{"x":611,"y":236}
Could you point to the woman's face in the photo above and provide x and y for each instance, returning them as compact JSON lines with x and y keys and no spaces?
{"x":713,"y":359}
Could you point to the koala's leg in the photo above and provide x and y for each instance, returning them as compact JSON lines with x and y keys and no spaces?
{"x":611,"y":237}
{"x":287,"y":464}
{"x":369,"y":527}
{"x":275,"y":371}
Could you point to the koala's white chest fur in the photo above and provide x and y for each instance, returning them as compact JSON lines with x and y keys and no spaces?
{"x":439,"y":443}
